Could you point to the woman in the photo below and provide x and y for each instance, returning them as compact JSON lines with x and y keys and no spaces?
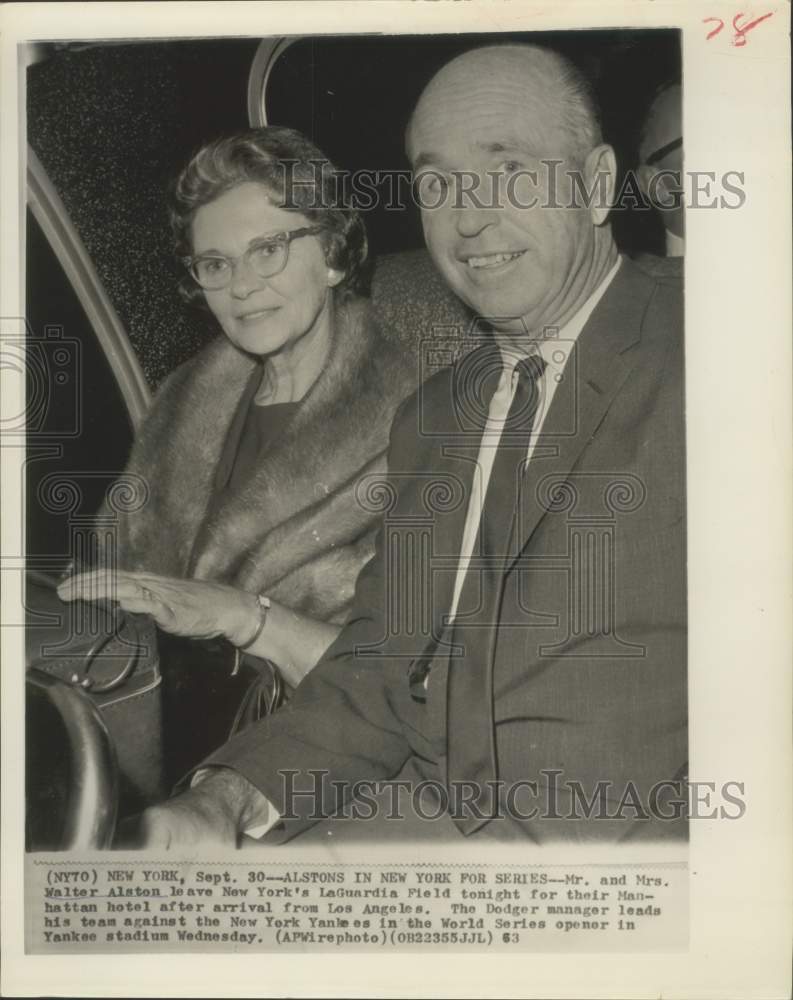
{"x":254,"y":450}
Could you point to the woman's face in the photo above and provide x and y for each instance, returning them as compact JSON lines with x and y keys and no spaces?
{"x":264,"y":316}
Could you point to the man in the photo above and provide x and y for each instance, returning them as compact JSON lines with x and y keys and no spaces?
{"x":659,"y":175}
{"x":535,"y":516}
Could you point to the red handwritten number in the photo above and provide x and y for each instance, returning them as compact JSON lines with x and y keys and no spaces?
{"x":741,"y":30}
{"x":715,"y":30}
{"x":740,"y":33}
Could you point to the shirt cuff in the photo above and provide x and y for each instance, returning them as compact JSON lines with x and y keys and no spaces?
{"x":269,"y":814}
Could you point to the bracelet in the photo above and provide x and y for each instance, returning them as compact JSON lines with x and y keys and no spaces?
{"x":264,"y":607}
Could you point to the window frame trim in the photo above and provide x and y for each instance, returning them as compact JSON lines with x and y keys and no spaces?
{"x":62,"y":236}
{"x":267,"y":54}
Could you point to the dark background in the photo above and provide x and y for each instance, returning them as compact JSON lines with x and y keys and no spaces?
{"x":113,"y":124}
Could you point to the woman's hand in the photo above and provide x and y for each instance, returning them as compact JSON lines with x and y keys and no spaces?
{"x":195,"y":608}
{"x":202,"y":610}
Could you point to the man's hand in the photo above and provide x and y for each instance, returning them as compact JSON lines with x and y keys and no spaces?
{"x":211,"y":814}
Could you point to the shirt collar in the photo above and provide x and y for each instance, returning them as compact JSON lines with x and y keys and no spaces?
{"x":563,"y":338}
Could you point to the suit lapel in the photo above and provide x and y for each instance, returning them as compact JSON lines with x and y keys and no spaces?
{"x":456,"y":466}
{"x":600,"y":363}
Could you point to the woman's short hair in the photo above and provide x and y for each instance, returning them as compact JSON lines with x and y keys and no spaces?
{"x":296,"y":173}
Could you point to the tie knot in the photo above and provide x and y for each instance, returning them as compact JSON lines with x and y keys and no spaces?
{"x":528,"y":393}
{"x":530,"y":369}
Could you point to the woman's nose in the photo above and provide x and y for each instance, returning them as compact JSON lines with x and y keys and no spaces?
{"x":244,"y":279}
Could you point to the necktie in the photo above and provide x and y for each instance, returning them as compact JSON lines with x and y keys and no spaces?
{"x":471,"y":734}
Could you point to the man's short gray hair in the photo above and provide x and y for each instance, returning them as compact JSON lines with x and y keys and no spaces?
{"x":562,"y":94}
{"x":579,"y":112}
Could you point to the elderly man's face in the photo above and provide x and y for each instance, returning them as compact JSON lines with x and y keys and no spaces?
{"x":520,"y":267}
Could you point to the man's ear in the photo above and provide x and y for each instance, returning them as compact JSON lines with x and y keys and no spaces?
{"x":600,"y":177}
{"x":644,"y":174}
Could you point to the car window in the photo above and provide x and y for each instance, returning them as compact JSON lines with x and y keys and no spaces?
{"x":112,"y":124}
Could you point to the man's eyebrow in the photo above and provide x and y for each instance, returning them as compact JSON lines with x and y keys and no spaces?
{"x":424,"y":159}
{"x":496,"y":146}
{"x":506,"y":146}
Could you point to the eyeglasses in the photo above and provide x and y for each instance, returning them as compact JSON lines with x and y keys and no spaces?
{"x":659,"y":154}
{"x":266,"y":257}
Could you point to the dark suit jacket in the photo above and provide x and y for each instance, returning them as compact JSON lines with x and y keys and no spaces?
{"x":589,"y":657}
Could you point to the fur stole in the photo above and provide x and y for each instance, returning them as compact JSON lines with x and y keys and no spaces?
{"x":294,"y":529}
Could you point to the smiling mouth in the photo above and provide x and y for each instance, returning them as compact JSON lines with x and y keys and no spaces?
{"x":493,"y":260}
{"x":251,"y":317}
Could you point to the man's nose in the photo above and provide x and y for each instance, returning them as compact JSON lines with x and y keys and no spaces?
{"x":474,"y":209}
{"x":471,"y":221}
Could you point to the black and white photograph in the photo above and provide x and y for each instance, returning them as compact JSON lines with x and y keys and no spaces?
{"x":370,"y":527}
